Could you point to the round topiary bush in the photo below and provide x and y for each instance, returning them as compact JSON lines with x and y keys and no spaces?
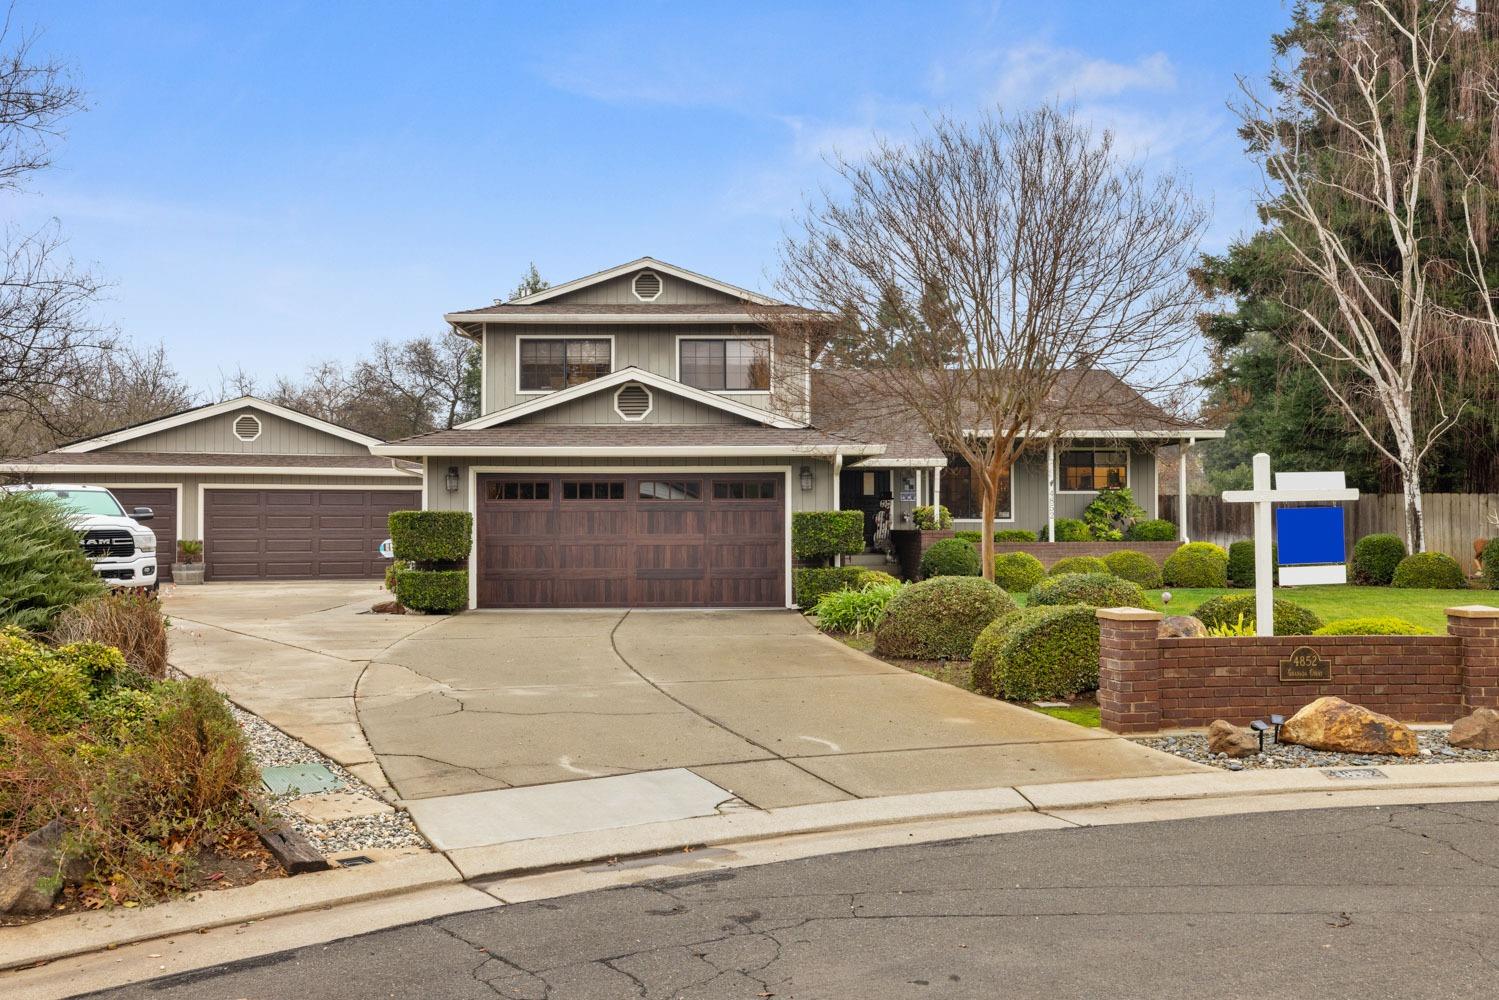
{"x":1375,"y":558}
{"x":1154,"y":530}
{"x":1070,"y":529}
{"x":1077,"y":564}
{"x":939,"y":619}
{"x":951,"y":557}
{"x":1429,"y":571}
{"x":1241,"y":564}
{"x":1136,"y":567}
{"x":991,"y":640}
{"x":873,"y":578}
{"x":1050,"y":652}
{"x":1196,"y":564}
{"x":1018,"y":571}
{"x":1097,"y":590}
{"x":1290,"y":618}
{"x":1372,"y":625}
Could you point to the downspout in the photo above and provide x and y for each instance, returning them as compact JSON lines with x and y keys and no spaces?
{"x":837,"y":491}
{"x":1051,"y":490}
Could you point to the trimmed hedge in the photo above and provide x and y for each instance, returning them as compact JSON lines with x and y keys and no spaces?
{"x":1049,"y":652}
{"x":435,"y":591}
{"x":951,"y":557}
{"x":928,"y":519}
{"x":808,"y":584}
{"x":431,"y":537}
{"x":1156,"y":529}
{"x":819,"y":535}
{"x":1196,"y":564}
{"x":1004,"y":535}
{"x":1241,"y":563}
{"x":1489,"y":563}
{"x":986,"y":648}
{"x":1070,"y":529}
{"x":873,"y":578}
{"x":1375,"y":558}
{"x":1018,"y":571}
{"x":1429,"y":571}
{"x":1372,"y":625}
{"x":1136,"y":567}
{"x":1097,"y":590}
{"x":1290,"y":618}
{"x":939,"y":619}
{"x":1077,"y":564}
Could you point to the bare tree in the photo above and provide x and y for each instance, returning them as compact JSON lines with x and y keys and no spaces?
{"x":977,"y":273}
{"x":1356,"y":191}
{"x":430,"y":373}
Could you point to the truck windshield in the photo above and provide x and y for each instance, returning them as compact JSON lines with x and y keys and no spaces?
{"x":86,"y":501}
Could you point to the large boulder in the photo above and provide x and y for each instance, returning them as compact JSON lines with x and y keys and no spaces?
{"x":1479,"y":731}
{"x":1181,"y":627}
{"x":1333,"y":724}
{"x":1234,"y":741}
{"x":28,"y":873}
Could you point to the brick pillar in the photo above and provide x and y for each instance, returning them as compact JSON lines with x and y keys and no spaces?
{"x":1478,"y":627}
{"x":1129,"y":670}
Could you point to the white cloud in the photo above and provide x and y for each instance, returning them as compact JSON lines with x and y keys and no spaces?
{"x":1037,"y":71}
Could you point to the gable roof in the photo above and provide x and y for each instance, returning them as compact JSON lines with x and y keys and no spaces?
{"x":598,"y":277}
{"x":213,"y":410}
{"x":618,"y":378}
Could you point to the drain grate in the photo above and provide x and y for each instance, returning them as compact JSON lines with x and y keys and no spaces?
{"x":355,"y":861}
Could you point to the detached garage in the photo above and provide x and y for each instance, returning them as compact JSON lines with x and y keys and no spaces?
{"x":272,"y":493}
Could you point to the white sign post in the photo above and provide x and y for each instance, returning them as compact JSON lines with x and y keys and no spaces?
{"x":1325,"y":487}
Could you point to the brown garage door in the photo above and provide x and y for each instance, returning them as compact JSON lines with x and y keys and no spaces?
{"x":298,"y":534}
{"x":163,"y":504}
{"x":659,"y":540}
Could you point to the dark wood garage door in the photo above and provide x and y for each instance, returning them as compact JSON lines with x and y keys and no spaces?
{"x":298,"y":534}
{"x":163,"y":504}
{"x":658,"y":540}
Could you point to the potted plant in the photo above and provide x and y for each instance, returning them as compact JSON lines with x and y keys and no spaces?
{"x":188,"y":569}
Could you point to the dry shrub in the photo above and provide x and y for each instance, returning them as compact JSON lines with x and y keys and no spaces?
{"x":130,"y":622}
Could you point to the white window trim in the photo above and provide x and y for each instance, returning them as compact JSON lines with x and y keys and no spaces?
{"x":770,"y":343}
{"x":234,"y":428}
{"x":1128,"y":470}
{"x":650,"y":405}
{"x":660,"y":285}
{"x":557,"y":336}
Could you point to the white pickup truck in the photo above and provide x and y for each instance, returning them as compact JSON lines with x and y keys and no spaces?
{"x":122,"y":550}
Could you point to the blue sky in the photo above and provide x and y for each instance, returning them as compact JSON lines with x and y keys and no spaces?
{"x":269,"y":184}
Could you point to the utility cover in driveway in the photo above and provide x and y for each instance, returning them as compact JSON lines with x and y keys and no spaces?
{"x":478,"y":819}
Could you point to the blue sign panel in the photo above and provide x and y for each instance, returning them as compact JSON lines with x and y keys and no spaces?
{"x":1306,"y":536}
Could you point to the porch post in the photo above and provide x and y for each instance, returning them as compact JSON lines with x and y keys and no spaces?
{"x":1181,"y":487}
{"x":936,"y":486}
{"x":1051,"y":490}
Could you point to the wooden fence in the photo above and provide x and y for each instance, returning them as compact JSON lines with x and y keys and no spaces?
{"x":1453,"y":520}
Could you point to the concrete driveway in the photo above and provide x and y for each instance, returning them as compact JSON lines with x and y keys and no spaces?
{"x":755,"y":703}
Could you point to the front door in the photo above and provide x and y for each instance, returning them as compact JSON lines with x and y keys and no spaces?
{"x":863,"y":489}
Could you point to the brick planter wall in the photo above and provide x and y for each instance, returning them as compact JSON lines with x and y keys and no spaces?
{"x":1050,"y":552}
{"x":1147,"y":683}
{"x":910,"y":545}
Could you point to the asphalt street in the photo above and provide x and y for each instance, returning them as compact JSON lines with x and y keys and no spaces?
{"x":1368,"y":903}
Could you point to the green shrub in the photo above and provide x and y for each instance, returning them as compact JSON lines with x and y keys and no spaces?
{"x":986,"y":648}
{"x":42,"y":567}
{"x":1375,"y":558}
{"x":1070,"y":529}
{"x":819,"y":535}
{"x":1051,"y":652}
{"x":939,"y":619}
{"x":950,"y":557}
{"x":1429,"y":571}
{"x":873,"y":578}
{"x":1018,"y":571}
{"x":808,"y":584}
{"x":1098,"y":590}
{"x":433,"y":539}
{"x":1136,"y":567}
{"x":1156,"y":529}
{"x":1372,"y":625}
{"x":928,"y":519}
{"x":391,"y":572}
{"x":1111,"y":512}
{"x":130,"y":622}
{"x":1489,"y":563}
{"x":1196,"y":564}
{"x":855,"y":612}
{"x":1241,"y":563}
{"x":435,"y":591}
{"x":1290,"y":618}
{"x":1077,"y":564}
{"x":49,"y":691}
{"x":1003,"y":535}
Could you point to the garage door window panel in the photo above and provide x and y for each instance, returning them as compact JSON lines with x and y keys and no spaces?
{"x":518,"y":491}
{"x":674,"y":490}
{"x":588,"y":490}
{"x":741,"y":489}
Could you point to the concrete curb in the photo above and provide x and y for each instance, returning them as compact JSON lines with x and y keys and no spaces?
{"x":81,"y":933}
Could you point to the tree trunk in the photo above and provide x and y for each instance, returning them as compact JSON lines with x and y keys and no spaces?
{"x":986,"y":530}
{"x":1415,"y":516}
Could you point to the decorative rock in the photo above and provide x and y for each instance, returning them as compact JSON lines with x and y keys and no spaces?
{"x":1333,"y":724}
{"x":1479,"y":731}
{"x":29,"y":867}
{"x":1181,"y":627}
{"x":1225,"y":738}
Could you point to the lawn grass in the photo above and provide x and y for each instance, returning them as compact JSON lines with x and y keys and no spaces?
{"x":1080,"y":715}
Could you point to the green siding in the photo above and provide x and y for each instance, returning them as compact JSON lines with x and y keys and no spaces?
{"x":215,"y":435}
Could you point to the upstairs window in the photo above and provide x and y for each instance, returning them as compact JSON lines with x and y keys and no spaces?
{"x":1084,"y":471}
{"x":726,"y":365}
{"x":547,"y":365}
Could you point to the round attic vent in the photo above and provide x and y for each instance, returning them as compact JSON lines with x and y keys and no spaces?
{"x":247,"y":427}
{"x":633,"y":401}
{"x":647,"y":286}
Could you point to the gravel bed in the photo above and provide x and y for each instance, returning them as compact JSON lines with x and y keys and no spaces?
{"x":272,"y":748}
{"x":1434,"y":750}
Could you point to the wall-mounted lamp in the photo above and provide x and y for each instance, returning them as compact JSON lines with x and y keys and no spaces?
{"x":807,"y":481}
{"x":451,"y":479}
